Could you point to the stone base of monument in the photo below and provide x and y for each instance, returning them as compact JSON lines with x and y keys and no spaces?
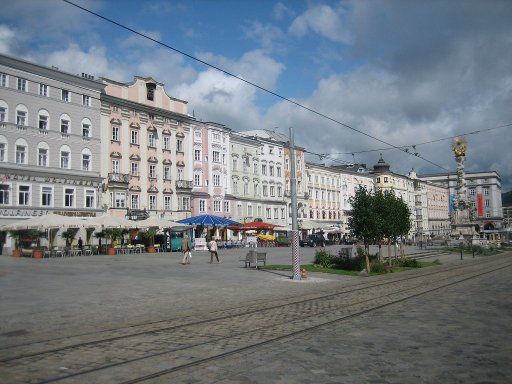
{"x":465,"y":233}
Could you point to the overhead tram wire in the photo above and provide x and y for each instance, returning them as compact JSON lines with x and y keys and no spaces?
{"x":248,"y":82}
{"x":403,"y":147}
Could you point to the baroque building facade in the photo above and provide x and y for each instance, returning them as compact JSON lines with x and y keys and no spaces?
{"x":49,"y":141}
{"x":145,"y":150}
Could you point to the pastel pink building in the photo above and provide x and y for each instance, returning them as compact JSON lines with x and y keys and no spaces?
{"x":145,"y":145}
{"x":210,"y":151}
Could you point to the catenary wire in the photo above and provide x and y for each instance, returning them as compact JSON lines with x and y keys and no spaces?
{"x":250,"y":83}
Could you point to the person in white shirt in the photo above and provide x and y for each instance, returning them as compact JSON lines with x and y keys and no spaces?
{"x":212,"y":246}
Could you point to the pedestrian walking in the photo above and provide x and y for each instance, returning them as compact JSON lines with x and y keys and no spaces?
{"x":80,"y":244}
{"x":212,"y":246}
{"x":185,"y":248}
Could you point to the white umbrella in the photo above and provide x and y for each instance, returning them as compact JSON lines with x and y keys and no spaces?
{"x":107,"y":221}
{"x":49,"y":221}
{"x":155,"y":222}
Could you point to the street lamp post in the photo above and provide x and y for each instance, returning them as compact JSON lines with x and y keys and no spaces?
{"x":295,"y":226}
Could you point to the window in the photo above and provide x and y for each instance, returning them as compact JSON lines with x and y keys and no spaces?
{"x":115,"y":133}
{"x":216,"y":180}
{"x":167,"y":172}
{"x":287,"y":167}
{"x":46,"y":196}
{"x":486,"y":191}
{"x":120,"y":200}
{"x":43,"y":90}
{"x":235,"y":164}
{"x":22,"y":85}
{"x":235,"y":186}
{"x":276,"y":213}
{"x":197,"y":180}
{"x":282,"y":213}
{"x":179,"y":145}
{"x":64,"y":160}
{"x":180,"y":174}
{"x":43,"y":122}
{"x":64,"y":126}
{"x":197,"y":154}
{"x":184,"y":203}
{"x":272,"y":191}
{"x":152,"y":201}
{"x":265,"y":191}
{"x":152,"y":171}
{"x":385,"y":179}
{"x":256,"y":189}
{"x":135,"y":201}
{"x":3,"y":80}
{"x":3,"y":114}
{"x":21,"y":117}
{"x":249,"y":210}
{"x":216,"y":157}
{"x":216,"y":205}
{"x":167,"y":203}
{"x":115,"y":166}
{"x":4,"y":194}
{"x":263,"y":169}
{"x":472,"y":192}
{"x":197,"y":134}
{"x":65,"y":95}
{"x":90,"y":200}
{"x":134,"y":137}
{"x":271,"y":170}
{"x":278,"y":171}
{"x":226,"y":206}
{"x":246,"y":188}
{"x":378,"y":179}
{"x":487,"y":203}
{"x":255,"y":168}
{"x":69,"y":197}
{"x":86,"y":162}
{"x":270,"y":150}
{"x":2,"y":152}
{"x":86,"y":130}
{"x":42,"y":157}
{"x":279,"y":191}
{"x":202,"y":205}
{"x":21,"y":154}
{"x":86,"y":100}
{"x":24,"y":195}
{"x":151,"y":139}
{"x":167,"y":142}
{"x":269,"y":213}
{"x":134,"y":168}
{"x":216,"y":136}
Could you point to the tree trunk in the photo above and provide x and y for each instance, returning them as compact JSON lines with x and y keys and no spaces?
{"x":366,"y":252}
{"x":389,"y":252}
{"x":394,"y":248}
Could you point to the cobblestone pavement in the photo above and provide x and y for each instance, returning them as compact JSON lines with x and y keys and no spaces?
{"x":250,"y":333}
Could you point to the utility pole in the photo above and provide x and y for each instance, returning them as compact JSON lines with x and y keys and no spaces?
{"x":295,"y":224}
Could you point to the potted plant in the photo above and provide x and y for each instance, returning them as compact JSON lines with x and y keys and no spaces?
{"x":69,"y":235}
{"x":150,"y":236}
{"x":16,"y":235}
{"x":37,"y":236}
{"x":109,"y":233}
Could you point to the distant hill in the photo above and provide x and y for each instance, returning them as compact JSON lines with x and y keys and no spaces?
{"x":506,"y":199}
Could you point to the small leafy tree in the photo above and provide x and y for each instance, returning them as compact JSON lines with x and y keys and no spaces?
{"x":69,"y":235}
{"x":364,"y":223}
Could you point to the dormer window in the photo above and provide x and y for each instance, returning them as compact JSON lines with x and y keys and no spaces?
{"x":150,"y":91}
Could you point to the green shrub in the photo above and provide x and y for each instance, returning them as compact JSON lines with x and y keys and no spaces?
{"x":411,"y":263}
{"x":378,"y":267}
{"x":324,"y":259}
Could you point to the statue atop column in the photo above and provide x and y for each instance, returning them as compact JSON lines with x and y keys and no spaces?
{"x":462,"y":221}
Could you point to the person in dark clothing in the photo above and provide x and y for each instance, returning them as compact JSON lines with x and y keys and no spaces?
{"x":80,"y":243}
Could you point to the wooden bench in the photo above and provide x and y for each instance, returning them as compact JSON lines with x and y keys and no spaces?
{"x":253,"y":258}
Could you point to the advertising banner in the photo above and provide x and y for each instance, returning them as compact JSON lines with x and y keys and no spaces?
{"x":480,"y":204}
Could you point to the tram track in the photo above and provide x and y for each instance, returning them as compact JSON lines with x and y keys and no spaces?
{"x":223,"y":336}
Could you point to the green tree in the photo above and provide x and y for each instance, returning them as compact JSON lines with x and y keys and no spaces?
{"x":364,"y":222}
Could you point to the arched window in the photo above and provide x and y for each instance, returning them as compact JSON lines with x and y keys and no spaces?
{"x":21,"y":152}
{"x":43,"y":119}
{"x":3,"y":149}
{"x":21,"y":115}
{"x":86,"y":159}
{"x":65,"y":157}
{"x":86,"y":128}
{"x":4,"y":112}
{"x":65,"y":124}
{"x":43,"y":154}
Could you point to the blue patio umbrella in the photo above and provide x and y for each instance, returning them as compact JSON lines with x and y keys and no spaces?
{"x":209,"y":221}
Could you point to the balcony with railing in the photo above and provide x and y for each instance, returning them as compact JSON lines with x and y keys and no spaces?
{"x":123,"y":178}
{"x":183,"y":184}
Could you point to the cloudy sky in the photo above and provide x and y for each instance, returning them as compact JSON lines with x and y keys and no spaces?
{"x":404,"y":71}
